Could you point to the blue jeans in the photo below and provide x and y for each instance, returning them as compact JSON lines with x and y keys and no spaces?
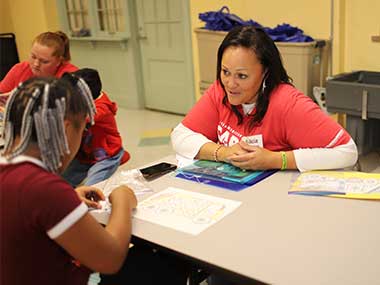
{"x":76,"y":172}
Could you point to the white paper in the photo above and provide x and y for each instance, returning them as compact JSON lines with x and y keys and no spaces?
{"x":183,"y":210}
{"x":131,"y":178}
{"x":338,"y":181}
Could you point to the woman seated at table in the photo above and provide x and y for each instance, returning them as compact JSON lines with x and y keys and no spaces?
{"x":254,"y":118}
{"x":49,"y":56}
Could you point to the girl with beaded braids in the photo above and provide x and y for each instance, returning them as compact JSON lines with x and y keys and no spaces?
{"x":47,"y":227}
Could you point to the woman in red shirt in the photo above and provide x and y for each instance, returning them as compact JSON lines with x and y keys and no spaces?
{"x":49,"y":56}
{"x":254,"y":118}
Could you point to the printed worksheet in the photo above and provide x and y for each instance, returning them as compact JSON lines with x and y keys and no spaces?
{"x":338,"y":181}
{"x":183,"y":210}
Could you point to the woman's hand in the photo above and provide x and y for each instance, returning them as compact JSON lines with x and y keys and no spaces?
{"x":90,"y":195}
{"x":255,"y":158}
{"x":225,"y":152}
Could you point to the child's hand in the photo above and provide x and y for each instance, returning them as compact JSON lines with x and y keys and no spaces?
{"x":123,"y":194}
{"x":90,"y":195}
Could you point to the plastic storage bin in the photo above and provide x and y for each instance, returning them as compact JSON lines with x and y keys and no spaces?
{"x":306,"y":63}
{"x":358,"y":95}
{"x":208,"y":44}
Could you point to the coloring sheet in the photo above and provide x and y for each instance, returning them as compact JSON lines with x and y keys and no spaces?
{"x":184,"y":210}
{"x":339,"y":182}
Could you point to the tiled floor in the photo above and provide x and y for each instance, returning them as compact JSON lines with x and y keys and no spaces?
{"x":133,"y":123}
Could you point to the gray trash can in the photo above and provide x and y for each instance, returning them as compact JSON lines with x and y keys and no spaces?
{"x":358,"y":95}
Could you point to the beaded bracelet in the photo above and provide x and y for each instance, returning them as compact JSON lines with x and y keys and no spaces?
{"x":284,"y":164}
{"x":216,"y":152}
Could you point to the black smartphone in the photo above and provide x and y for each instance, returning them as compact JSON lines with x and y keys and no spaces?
{"x":157,"y":170}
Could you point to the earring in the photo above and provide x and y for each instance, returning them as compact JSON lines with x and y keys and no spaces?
{"x":264,"y":85}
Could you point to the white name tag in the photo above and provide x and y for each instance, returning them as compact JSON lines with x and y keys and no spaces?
{"x":256,"y":140}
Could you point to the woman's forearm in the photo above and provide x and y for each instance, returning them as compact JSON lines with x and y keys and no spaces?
{"x":186,"y":142}
{"x":326,"y":158}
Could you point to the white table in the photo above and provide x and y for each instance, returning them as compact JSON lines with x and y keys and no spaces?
{"x":278,"y":238}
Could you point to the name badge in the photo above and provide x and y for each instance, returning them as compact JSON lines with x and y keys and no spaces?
{"x":256,"y":140}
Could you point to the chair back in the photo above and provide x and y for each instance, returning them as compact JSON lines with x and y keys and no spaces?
{"x":8,"y":53}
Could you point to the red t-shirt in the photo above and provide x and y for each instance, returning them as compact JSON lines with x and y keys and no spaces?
{"x":292,"y":121}
{"x":21,"y":72}
{"x":37,"y":206}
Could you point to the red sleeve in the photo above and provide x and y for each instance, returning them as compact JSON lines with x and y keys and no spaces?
{"x":307,"y":126}
{"x":102,"y":115}
{"x":51,"y":201}
{"x":102,"y":112}
{"x":14,"y":76}
{"x":105,"y":112}
{"x":203,"y":118}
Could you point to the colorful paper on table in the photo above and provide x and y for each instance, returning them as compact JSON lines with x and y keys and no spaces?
{"x":338,"y":184}
{"x":221,"y":175}
{"x":370,"y":196}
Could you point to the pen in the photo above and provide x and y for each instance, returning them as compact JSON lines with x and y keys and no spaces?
{"x":92,"y":196}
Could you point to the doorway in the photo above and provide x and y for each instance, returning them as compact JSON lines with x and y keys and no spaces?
{"x":164,"y":40}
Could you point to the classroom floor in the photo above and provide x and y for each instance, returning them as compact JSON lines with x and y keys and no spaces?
{"x":146,"y":136}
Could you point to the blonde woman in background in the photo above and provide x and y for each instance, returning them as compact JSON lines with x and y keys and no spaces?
{"x":49,"y":56}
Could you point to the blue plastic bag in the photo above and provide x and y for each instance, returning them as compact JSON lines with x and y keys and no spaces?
{"x":223,"y":21}
{"x":287,"y":33}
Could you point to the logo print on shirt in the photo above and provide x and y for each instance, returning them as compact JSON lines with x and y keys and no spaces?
{"x":227,"y":135}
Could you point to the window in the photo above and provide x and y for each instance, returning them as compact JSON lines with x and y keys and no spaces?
{"x":95,"y":19}
{"x":78,"y":19}
{"x":110,"y":15}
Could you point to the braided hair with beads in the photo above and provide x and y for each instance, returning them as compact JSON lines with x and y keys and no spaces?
{"x":35,"y":113}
